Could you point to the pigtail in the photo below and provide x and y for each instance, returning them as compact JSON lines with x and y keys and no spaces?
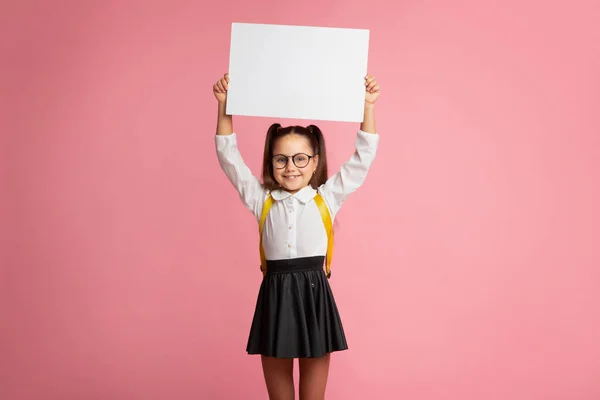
{"x":267,"y":172}
{"x":318,"y":141}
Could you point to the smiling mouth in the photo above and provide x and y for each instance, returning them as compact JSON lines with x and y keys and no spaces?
{"x":291,"y":176}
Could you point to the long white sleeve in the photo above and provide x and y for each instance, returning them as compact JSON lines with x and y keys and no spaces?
{"x":248,"y":186}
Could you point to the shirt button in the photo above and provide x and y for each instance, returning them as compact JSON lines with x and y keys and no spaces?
{"x":290,"y":245}
{"x":290,"y":227}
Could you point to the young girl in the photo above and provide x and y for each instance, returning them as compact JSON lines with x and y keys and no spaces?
{"x":296,"y":315}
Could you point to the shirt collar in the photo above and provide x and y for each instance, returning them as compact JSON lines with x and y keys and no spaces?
{"x":304,"y":195}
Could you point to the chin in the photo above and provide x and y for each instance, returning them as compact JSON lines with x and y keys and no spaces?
{"x":293,"y":187}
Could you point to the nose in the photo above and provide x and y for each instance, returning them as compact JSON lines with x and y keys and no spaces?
{"x":290,"y":165}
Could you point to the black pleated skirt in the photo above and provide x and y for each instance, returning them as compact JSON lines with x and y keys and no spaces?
{"x":296,"y":315}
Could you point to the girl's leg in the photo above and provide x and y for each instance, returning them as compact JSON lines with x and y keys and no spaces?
{"x":279,"y":377}
{"x":313,"y":377}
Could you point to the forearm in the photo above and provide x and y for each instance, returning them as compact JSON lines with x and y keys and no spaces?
{"x":224,"y":121}
{"x":368,"y":124}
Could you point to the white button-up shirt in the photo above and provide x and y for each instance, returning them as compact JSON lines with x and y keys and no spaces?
{"x":294,"y":227}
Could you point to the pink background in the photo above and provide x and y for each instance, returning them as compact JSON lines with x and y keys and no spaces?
{"x":467,"y":267}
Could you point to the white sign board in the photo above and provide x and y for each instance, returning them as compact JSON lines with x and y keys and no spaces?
{"x":302,"y":72}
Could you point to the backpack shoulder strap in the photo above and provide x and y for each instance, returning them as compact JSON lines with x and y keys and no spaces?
{"x":261,"y":224}
{"x":326,"y":216}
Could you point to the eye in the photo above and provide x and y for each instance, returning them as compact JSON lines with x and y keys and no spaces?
{"x":301,"y":158}
{"x":280,"y":159}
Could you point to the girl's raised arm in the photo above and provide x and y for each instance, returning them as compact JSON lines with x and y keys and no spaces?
{"x":353,"y":172}
{"x":224,"y":121}
{"x":248,"y":186}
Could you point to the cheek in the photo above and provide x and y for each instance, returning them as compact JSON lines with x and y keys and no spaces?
{"x":278,"y":173}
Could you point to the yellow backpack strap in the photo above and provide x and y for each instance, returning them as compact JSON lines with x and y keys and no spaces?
{"x":328,"y":228}
{"x":261,"y":224}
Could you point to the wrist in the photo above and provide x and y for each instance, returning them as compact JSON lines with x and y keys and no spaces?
{"x":369,"y":106}
{"x":222,"y":107}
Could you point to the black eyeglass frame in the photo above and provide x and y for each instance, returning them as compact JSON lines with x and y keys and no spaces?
{"x":287,"y":160}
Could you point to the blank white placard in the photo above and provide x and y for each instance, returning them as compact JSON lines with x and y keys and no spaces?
{"x":301,"y":72}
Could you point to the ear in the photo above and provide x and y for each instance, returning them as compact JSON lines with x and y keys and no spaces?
{"x":316,"y":159}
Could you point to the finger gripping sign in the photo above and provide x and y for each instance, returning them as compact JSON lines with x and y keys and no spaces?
{"x":300,"y":72}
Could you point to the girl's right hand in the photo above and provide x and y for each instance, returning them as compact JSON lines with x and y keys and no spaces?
{"x":220,"y":88}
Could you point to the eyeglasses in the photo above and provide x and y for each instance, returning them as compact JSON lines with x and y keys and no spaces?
{"x":300,"y":160}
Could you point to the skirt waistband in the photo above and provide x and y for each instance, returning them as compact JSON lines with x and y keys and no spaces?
{"x":295,"y":264}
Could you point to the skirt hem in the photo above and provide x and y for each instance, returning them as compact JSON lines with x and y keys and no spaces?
{"x":282,"y":356}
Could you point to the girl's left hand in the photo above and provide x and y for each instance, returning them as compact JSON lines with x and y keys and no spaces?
{"x":372,"y":89}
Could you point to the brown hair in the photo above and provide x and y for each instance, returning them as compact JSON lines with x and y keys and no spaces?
{"x":317,"y":143}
